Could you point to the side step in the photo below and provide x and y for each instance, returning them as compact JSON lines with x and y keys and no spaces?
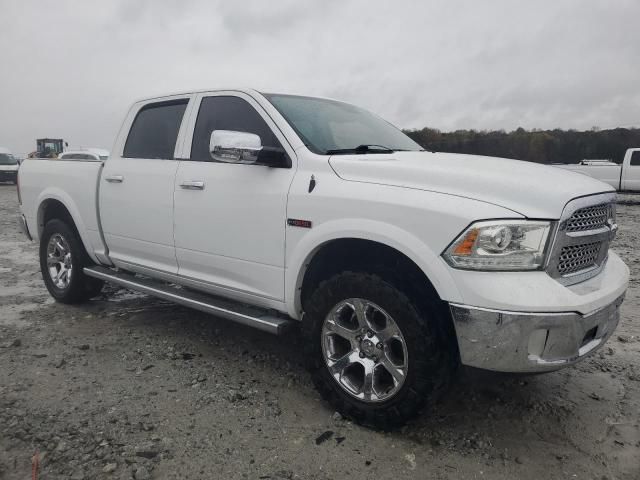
{"x":236,"y":312}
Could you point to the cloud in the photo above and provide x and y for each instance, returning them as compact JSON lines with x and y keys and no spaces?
{"x":71,"y":69}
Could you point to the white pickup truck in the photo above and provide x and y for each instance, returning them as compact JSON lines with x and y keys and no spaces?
{"x":624,"y":177}
{"x":95,"y":154}
{"x":398,"y":264}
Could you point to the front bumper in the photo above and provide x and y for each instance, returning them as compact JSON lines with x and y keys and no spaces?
{"x":507,"y":341}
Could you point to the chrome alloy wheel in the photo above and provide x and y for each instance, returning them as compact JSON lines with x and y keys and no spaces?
{"x":364,"y":350}
{"x":59,"y":262}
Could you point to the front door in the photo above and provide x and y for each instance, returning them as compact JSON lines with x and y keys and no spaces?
{"x":136,"y":190}
{"x":631,"y":173}
{"x":230,"y":218}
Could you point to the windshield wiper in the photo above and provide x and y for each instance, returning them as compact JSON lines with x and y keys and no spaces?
{"x":360,"y":149}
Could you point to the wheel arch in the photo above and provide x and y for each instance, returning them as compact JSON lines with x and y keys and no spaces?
{"x":54,"y":205}
{"x":386,"y":243}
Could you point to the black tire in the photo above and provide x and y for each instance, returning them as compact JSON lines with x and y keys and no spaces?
{"x":80,"y":288}
{"x":432,"y":353}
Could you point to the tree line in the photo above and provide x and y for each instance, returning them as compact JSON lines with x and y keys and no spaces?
{"x":540,"y":146}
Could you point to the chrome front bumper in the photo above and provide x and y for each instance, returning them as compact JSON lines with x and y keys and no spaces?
{"x":530,"y":342}
{"x":22,"y":223}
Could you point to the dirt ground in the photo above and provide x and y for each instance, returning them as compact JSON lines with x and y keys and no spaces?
{"x":128,"y":386}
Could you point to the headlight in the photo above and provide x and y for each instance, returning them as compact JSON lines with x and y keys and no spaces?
{"x":500,"y":245}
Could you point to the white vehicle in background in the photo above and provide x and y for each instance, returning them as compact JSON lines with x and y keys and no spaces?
{"x":95,"y":154}
{"x":624,"y":177}
{"x":8,"y":166}
{"x":398,"y":264}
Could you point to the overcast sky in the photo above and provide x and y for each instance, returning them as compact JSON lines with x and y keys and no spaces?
{"x":70,"y":69}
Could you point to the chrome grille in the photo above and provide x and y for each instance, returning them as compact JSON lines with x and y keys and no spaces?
{"x":575,"y":258}
{"x":581,"y":244}
{"x":589,"y":218}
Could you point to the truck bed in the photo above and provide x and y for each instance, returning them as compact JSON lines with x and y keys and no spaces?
{"x":74,"y":183}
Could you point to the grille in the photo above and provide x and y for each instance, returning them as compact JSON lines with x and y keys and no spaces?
{"x":575,"y":258}
{"x":589,"y":218}
{"x":580,"y":248}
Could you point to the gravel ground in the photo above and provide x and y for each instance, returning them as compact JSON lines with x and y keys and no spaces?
{"x":128,"y":386}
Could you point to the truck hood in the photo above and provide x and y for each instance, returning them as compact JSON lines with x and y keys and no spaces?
{"x":530,"y":189}
{"x":8,"y":168}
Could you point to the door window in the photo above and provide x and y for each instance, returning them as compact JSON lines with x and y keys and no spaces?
{"x":227,"y":113}
{"x":635,"y":159}
{"x":154,"y":131}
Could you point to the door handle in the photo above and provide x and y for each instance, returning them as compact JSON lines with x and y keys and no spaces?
{"x":114,"y":179}
{"x":192,"y":185}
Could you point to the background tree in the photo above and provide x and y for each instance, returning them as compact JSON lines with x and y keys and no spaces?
{"x":541,"y":146}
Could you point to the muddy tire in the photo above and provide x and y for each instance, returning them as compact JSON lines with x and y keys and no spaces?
{"x":374,"y":355}
{"x":62,"y":260}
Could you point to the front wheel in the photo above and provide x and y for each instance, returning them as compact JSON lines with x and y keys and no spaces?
{"x":373,"y":355}
{"x":62,"y":260}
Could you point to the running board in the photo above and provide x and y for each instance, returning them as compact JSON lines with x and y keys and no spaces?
{"x":236,"y":312}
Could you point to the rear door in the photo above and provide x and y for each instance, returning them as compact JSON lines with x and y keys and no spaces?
{"x":230,"y":232}
{"x":137,"y":184}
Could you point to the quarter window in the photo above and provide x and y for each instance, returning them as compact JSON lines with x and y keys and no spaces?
{"x":154,"y":131}
{"x":635,"y":159}
{"x":227,"y":113}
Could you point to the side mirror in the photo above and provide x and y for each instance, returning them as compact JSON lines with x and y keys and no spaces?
{"x":229,"y":146}
{"x":234,"y":147}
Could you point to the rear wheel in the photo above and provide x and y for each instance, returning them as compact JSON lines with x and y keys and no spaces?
{"x":62,"y":260}
{"x":373,"y":355}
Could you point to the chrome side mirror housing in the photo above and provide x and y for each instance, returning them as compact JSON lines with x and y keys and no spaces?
{"x":229,"y":146}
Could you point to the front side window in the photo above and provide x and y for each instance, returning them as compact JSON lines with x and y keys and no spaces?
{"x":227,"y":113}
{"x":154,"y":131}
{"x":329,"y":126}
{"x":635,"y":159}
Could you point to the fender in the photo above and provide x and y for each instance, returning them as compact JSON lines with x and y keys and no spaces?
{"x":390,"y":235}
{"x":54,"y":193}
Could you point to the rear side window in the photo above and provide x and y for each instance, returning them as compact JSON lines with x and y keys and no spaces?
{"x":635,"y":159}
{"x":227,"y":113}
{"x":155,"y":129}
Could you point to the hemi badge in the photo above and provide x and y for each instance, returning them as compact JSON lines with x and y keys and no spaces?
{"x":294,"y":222}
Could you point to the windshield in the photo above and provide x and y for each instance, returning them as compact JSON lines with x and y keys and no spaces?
{"x":6,"y":159}
{"x":326,"y":126}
